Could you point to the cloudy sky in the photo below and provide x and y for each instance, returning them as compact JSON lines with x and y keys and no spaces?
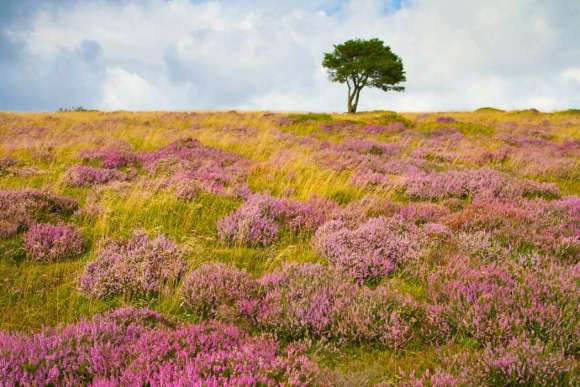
{"x":265,"y":54}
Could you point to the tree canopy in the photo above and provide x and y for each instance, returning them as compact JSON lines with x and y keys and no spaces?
{"x":361,"y":63}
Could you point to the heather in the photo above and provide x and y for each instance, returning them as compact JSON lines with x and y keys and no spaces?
{"x":49,"y":243}
{"x":84,"y":176}
{"x":313,"y":301}
{"x":20,"y":209}
{"x":370,"y":250}
{"x":259,"y":219}
{"x":139,"y":347}
{"x":374,"y":248}
{"x":141,"y":265}
{"x":214,"y":287}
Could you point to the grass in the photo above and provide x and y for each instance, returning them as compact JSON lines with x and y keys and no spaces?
{"x":35,"y":295}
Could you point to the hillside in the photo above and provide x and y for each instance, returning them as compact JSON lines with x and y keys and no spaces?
{"x":367,"y":248}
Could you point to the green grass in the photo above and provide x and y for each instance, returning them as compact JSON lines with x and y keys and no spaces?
{"x":34,"y":295}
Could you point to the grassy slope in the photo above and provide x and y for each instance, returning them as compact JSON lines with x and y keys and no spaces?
{"x":34,"y":295}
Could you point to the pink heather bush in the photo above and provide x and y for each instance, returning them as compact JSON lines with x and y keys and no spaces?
{"x":20,"y":209}
{"x":251,"y":224}
{"x":109,"y":157}
{"x":479,"y":183}
{"x":215,"y":355}
{"x":493,"y":303}
{"x":310,"y":300}
{"x":393,"y":127}
{"x":83,"y":176}
{"x":438,"y":378}
{"x":445,"y":119}
{"x":303,"y":216}
{"x":422,"y":212}
{"x":138,"y":266}
{"x":340,"y":126}
{"x":550,"y":227}
{"x":522,"y":362}
{"x":74,"y":354}
{"x":258,"y":220}
{"x":370,"y":251}
{"x":138,"y":347}
{"x":194,"y":164}
{"x":213,"y":286}
{"x":48,"y":243}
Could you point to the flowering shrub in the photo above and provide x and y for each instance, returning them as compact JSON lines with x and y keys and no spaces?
{"x":310,"y":300}
{"x":138,"y":347}
{"x":215,"y":285}
{"x":138,"y":266}
{"x":369,"y":251}
{"x":494,"y":304}
{"x":445,"y":119}
{"x":550,"y":227}
{"x":258,"y":220}
{"x":109,"y":157}
{"x":83,"y":176}
{"x":250,"y":224}
{"x":193,"y":164}
{"x":20,"y":209}
{"x":393,"y":127}
{"x":479,"y":183}
{"x":339,"y":126}
{"x":520,"y":362}
{"x":48,"y":243}
{"x":215,"y":354}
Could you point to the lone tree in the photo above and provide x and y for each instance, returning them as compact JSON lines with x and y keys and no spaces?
{"x":360,"y":63}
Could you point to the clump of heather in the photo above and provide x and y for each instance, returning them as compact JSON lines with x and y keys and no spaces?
{"x":340,"y":126}
{"x":522,"y":362}
{"x":139,"y":266}
{"x":445,"y":119}
{"x":193,"y":164}
{"x":84,"y":176}
{"x":111,"y":158}
{"x":20,"y":209}
{"x":479,"y":183}
{"x":549,"y":226}
{"x":494,"y":302}
{"x":75,"y":354}
{"x":252,"y":224}
{"x":303,"y":216}
{"x":138,"y":347}
{"x":310,"y":300}
{"x":216,"y":354}
{"x":437,"y":378}
{"x":215,"y":286}
{"x":258,"y":220}
{"x":371,"y":250}
{"x":187,"y":190}
{"x":423,"y":212}
{"x":49,"y":243}
{"x":393,"y":127}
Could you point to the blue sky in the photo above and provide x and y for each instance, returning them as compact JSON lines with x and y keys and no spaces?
{"x":237,"y":54}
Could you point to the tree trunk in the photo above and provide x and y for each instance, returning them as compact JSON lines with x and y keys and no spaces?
{"x":353,"y":100}
{"x":350,"y":107}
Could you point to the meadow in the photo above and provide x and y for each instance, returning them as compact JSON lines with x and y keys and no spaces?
{"x":259,"y":248}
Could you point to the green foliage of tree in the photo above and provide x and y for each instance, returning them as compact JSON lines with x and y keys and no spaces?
{"x":361,"y":63}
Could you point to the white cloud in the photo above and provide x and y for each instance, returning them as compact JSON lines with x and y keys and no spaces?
{"x":129,"y":91}
{"x":572,"y":74}
{"x":245,"y":54}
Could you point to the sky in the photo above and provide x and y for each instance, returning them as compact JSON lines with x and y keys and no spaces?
{"x":266,"y":55}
